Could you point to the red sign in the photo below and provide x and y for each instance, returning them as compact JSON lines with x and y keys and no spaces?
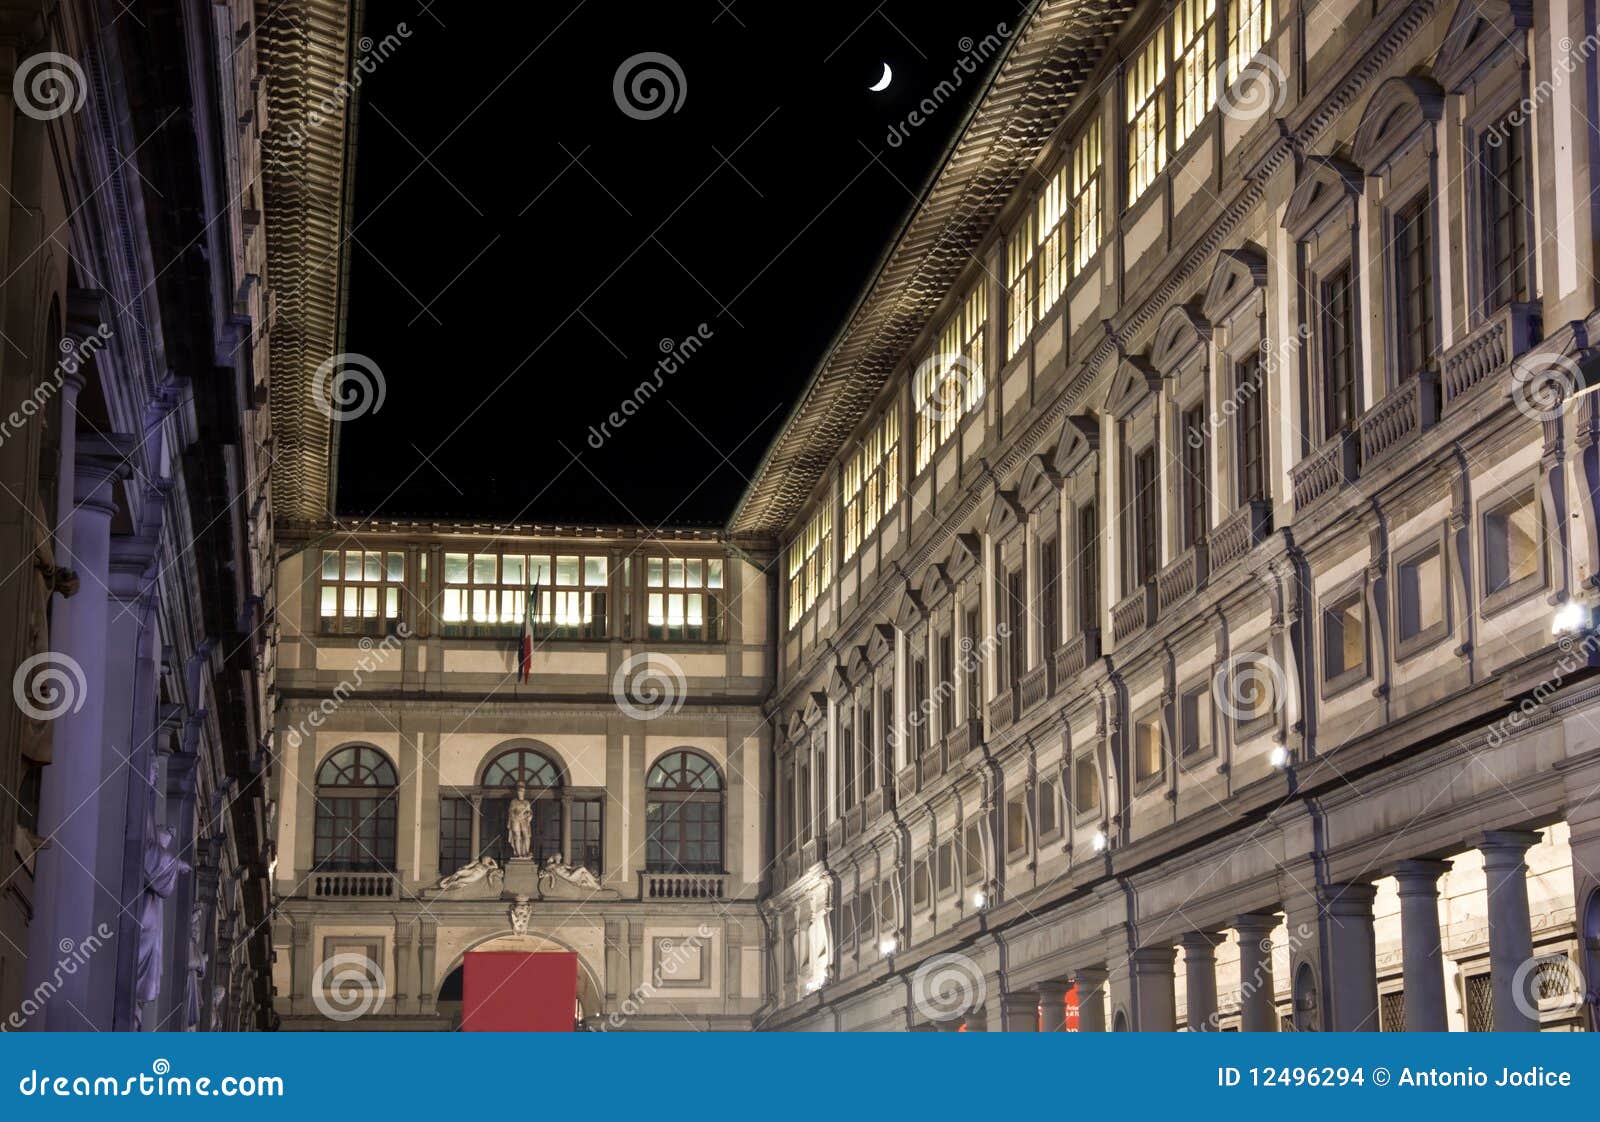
{"x":514,"y":991}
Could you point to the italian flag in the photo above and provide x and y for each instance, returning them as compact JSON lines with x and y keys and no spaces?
{"x":525,"y":647}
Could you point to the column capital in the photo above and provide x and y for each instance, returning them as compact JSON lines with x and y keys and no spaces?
{"x":1347,"y":899}
{"x":1090,"y":976}
{"x":1052,"y":990}
{"x":1420,"y":877}
{"x":1254,"y":925}
{"x":1506,"y":846}
{"x":1202,"y":942}
{"x":1153,"y":958}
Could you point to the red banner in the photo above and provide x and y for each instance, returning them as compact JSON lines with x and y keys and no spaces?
{"x":513,"y":991}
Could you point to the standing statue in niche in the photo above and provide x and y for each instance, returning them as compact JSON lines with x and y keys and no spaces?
{"x":519,"y":824}
{"x":197,"y":970}
{"x":162,"y":868}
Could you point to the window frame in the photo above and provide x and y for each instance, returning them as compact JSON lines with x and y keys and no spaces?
{"x":684,"y":796}
{"x":1430,"y":541}
{"x":1328,"y":603}
{"x":1513,"y":492}
{"x":1081,"y":813}
{"x":713,"y":627}
{"x":383,"y":587}
{"x":1151,"y":717}
{"x":1187,"y":754}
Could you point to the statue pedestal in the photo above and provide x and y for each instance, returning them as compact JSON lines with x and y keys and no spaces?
{"x":522,"y":878}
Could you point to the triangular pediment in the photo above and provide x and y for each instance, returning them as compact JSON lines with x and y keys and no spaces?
{"x":816,"y":707}
{"x":966,"y":554}
{"x":1039,"y":481}
{"x":1400,"y":111}
{"x":910,"y":611}
{"x":1479,"y":31}
{"x":1238,"y":273}
{"x":935,"y":585}
{"x":859,"y":665}
{"x":880,"y":643}
{"x":1005,"y":514}
{"x":1183,"y":333}
{"x":1079,"y":440}
{"x":1135,"y":381}
{"x":1326,"y":184}
{"x":796,"y":727}
{"x":838,"y":684}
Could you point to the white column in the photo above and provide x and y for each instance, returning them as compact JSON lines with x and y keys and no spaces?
{"x":1510,"y":933}
{"x":1350,"y":952}
{"x":1258,"y":1011}
{"x":1200,"y":979}
{"x":1420,"y":944}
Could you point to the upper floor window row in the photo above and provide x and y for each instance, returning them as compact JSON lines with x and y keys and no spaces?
{"x":683,"y":597}
{"x":950,"y":383}
{"x":871,"y":481}
{"x":1055,"y":239}
{"x":361,"y":590}
{"x":810,"y":564}
{"x":488,"y":593}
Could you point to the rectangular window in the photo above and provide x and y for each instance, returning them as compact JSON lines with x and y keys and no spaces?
{"x":1016,"y":825}
{"x":1421,"y":589}
{"x":361,"y":591}
{"x":947,"y":868}
{"x":972,"y":853}
{"x":847,"y":761}
{"x":455,"y":834}
{"x":803,"y":792}
{"x":920,"y":713}
{"x":1344,"y":638}
{"x":1194,"y":61}
{"x":486,"y":594}
{"x":1021,"y":250}
{"x":871,"y":482}
{"x":1145,"y":524}
{"x":921,"y":884}
{"x":683,"y":598}
{"x":1511,"y":543}
{"x":1506,"y":213}
{"x":947,"y":683}
{"x":1088,"y":568}
{"x":1414,"y":283}
{"x":1148,"y":758}
{"x":869,"y":747}
{"x":1049,"y":807}
{"x":810,"y":564}
{"x":1196,"y":488}
{"x":972,"y":659}
{"x":1248,"y":23}
{"x":886,"y":736}
{"x":1250,"y":420}
{"x":1195,"y":717}
{"x":1049,"y":596}
{"x":1086,"y":162}
{"x":1085,"y":785}
{"x":1015,"y":640}
{"x":950,"y":383}
{"x":1146,"y":115}
{"x":1336,"y":326}
{"x":587,"y":834}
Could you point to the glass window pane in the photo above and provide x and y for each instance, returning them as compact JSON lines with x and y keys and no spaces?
{"x":653,"y":572}
{"x":691,"y":570}
{"x":714,"y":573}
{"x":566,"y":570}
{"x":675,"y":610}
{"x":513,"y":568}
{"x":397,"y":566}
{"x":455,"y":568}
{"x":330,"y":600}
{"x":369,"y":602}
{"x":374,"y":566}
{"x":696,"y":618}
{"x":511,"y":606}
{"x":657,"y":610}
{"x":391,"y":607}
{"x":352,"y":603}
{"x":455,"y":605}
{"x":352,"y":565}
{"x":330,"y":564}
{"x":539,"y":569}
{"x":483,"y":568}
{"x":482,"y":610}
{"x":675,"y":572}
{"x":594,"y":570}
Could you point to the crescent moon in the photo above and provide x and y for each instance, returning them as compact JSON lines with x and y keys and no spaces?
{"x":883,"y":83}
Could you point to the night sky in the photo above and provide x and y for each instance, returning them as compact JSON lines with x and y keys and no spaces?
{"x":522,"y":247}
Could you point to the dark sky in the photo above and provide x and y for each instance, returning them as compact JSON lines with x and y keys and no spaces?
{"x":522,"y":247}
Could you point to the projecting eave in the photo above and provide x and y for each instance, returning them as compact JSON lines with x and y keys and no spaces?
{"x":1029,"y":90}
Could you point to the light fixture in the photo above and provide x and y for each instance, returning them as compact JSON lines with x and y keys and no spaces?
{"x":888,"y":947}
{"x":979,"y":899}
{"x":1570,"y":618}
{"x":1099,"y":842}
{"x":814,"y":985}
{"x":1278,"y":757}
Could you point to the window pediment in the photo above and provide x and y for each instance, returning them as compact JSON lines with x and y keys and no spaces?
{"x":796,"y":729}
{"x":1327,"y":183}
{"x":910,"y":611}
{"x":1399,"y":113}
{"x":965,"y":556}
{"x":1479,"y":31}
{"x":1079,"y":440}
{"x":880,"y":643}
{"x":1039,"y":482}
{"x":816,"y":708}
{"x":936,"y":585}
{"x":1005,"y":514}
{"x":859,"y":666}
{"x":838,"y":684}
{"x":1183,"y":333}
{"x":1135,"y":381}
{"x":1239,"y":273}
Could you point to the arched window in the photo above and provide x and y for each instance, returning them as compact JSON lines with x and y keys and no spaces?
{"x":355,"y":827}
{"x":683,"y":815}
{"x":544,"y":782}
{"x":527,"y":766}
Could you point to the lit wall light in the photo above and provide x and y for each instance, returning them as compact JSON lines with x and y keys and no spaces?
{"x":888,"y":947}
{"x":980,"y":899}
{"x":1100,"y":841}
{"x":1278,"y":757}
{"x":1570,"y":618}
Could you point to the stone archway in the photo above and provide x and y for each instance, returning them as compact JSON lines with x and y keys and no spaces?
{"x":1305,"y":999}
{"x":590,"y":992}
{"x":1119,"y":1023}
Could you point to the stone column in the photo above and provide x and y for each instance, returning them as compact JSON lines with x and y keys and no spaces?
{"x":1420,"y":945}
{"x":1091,"y":983}
{"x":300,"y":968}
{"x":1200,"y":978}
{"x":1510,"y":933}
{"x":1155,"y":1000}
{"x":1053,"y":1007}
{"x":405,"y":966}
{"x":428,"y":948}
{"x":1258,"y":1010}
{"x":1350,"y":954}
{"x":1019,"y":1012}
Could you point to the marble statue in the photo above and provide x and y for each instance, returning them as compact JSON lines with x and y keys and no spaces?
{"x":197,"y":970}
{"x":521,"y":914}
{"x":219,"y":998}
{"x":470,"y":873}
{"x":572,"y":874}
{"x":519,"y":824}
{"x":162,"y":868}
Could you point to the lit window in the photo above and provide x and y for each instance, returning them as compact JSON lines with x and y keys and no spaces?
{"x":810,"y":564}
{"x":1344,"y":638}
{"x":1049,"y":808}
{"x":1195,"y":717}
{"x":1247,"y":32}
{"x":1085,"y":785}
{"x":1147,"y":116}
{"x":871,"y":482}
{"x":683,"y":597}
{"x":1086,"y":158}
{"x":1511,"y":543}
{"x":950,"y":382}
{"x":1193,"y":49}
{"x":361,"y":591}
{"x":972,"y":853}
{"x":1016,"y":825}
{"x":1020,"y":252}
{"x":1052,"y":213}
{"x":486,"y":594}
{"x":1147,"y":748}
